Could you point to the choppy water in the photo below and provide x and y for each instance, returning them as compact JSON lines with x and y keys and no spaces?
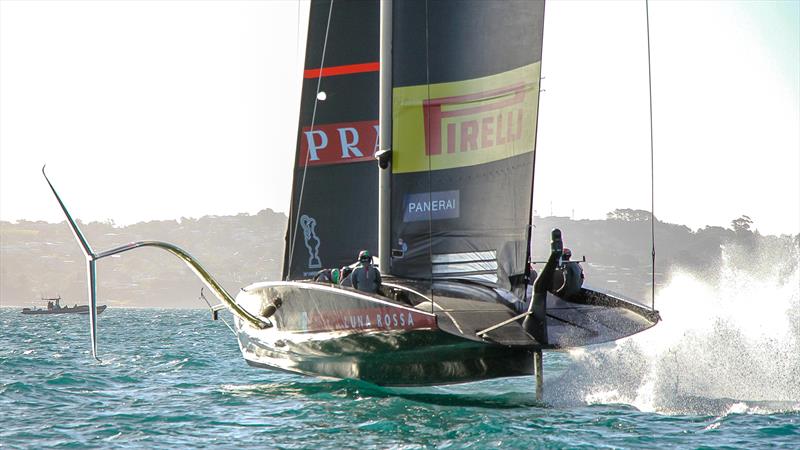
{"x":713,"y":374}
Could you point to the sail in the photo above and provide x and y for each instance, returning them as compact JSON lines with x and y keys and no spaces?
{"x":334,"y":195}
{"x":465,"y":101}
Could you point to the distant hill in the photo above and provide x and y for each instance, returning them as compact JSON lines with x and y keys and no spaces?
{"x":42,"y":259}
{"x":618,"y":249}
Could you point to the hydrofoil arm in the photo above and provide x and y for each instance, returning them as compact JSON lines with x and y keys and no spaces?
{"x":194,"y":265}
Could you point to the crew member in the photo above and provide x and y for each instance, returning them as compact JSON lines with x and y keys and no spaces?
{"x":366,"y":277}
{"x":572,"y":274}
{"x":328,"y":276}
{"x":345,"y":276}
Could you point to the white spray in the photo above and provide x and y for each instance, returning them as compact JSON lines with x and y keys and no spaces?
{"x":731,"y":344}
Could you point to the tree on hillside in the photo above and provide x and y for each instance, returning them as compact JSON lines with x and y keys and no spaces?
{"x":629,"y":215}
{"x":742,"y":224}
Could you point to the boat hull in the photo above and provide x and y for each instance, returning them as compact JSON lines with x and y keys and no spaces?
{"x":408,"y":340}
{"x":83,"y":309}
{"x":340,"y":333}
{"x":408,"y":359}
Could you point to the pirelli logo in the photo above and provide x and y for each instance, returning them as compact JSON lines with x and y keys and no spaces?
{"x":465,"y":123}
{"x":493,"y":122}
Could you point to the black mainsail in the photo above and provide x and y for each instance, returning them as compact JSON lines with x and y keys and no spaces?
{"x":465,"y":102}
{"x":334,"y":196}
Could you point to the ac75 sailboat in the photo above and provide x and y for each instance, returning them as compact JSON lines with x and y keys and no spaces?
{"x":444,"y":94}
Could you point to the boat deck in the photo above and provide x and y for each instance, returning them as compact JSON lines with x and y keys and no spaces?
{"x":467,"y":317}
{"x":592,"y":317}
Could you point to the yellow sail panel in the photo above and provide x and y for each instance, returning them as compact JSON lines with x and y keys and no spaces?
{"x":465,"y":123}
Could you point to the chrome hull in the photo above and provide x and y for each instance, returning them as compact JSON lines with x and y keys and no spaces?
{"x":595,"y":317}
{"x":337,"y":332}
{"x":386,"y":359}
{"x":329,"y":331}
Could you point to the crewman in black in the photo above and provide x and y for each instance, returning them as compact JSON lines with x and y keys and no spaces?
{"x":571,"y":276}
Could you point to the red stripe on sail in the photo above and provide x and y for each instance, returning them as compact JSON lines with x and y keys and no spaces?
{"x":342,"y":70}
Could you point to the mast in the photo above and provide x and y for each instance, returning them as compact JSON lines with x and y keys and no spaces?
{"x":384,"y":155}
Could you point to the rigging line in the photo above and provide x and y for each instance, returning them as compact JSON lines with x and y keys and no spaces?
{"x":427,"y":131}
{"x":528,"y":249}
{"x":652,"y":163}
{"x":297,"y":38}
{"x":313,"y":118}
{"x":202,"y":295}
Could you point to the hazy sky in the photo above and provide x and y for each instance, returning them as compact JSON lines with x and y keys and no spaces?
{"x":156,"y":110}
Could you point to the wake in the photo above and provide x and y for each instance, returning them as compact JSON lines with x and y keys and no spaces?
{"x":731,"y":345}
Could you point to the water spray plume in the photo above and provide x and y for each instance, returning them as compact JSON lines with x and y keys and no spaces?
{"x":730,"y":343}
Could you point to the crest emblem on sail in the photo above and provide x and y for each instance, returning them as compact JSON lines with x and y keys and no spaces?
{"x":311,"y":241}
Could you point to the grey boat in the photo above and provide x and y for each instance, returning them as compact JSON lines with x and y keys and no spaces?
{"x":54,"y":307}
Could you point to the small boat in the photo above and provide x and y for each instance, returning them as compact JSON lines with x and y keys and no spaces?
{"x":54,"y":307}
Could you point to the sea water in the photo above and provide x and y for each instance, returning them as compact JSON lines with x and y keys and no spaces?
{"x":720,"y":371}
